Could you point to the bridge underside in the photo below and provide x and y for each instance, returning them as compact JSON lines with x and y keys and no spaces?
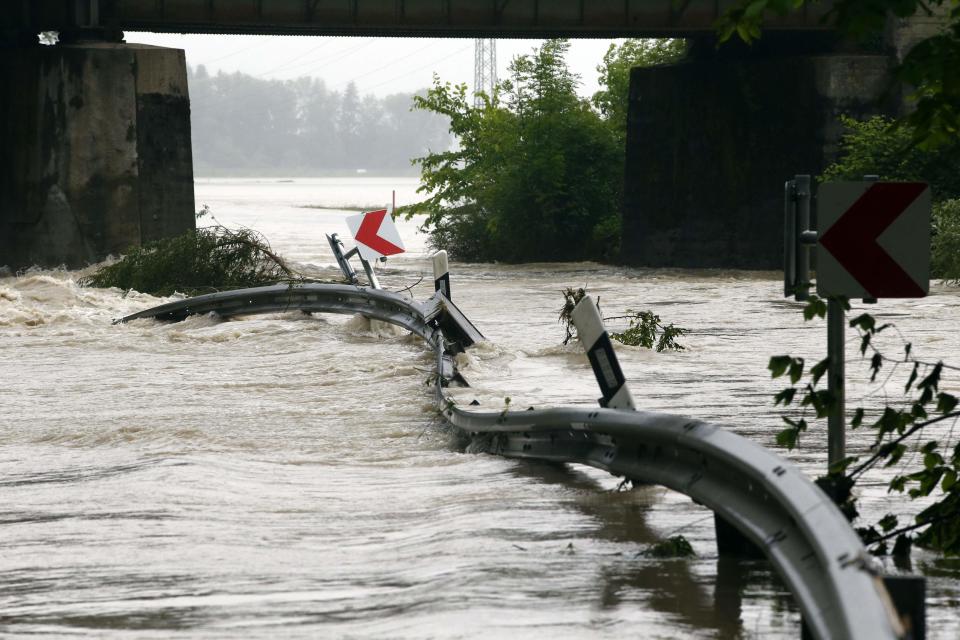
{"x":104,"y":162}
{"x":436,"y":18}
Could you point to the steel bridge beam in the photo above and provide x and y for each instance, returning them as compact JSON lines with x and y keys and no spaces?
{"x":798,"y":528}
{"x":439,"y":18}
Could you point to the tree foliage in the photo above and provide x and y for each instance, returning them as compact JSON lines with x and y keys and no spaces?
{"x":929,"y":69}
{"x":243,"y":124}
{"x":875,"y":147}
{"x":536,"y":174}
{"x":613,"y":98}
{"x":645,"y":328}
{"x":931,"y":470}
{"x":201,"y":261}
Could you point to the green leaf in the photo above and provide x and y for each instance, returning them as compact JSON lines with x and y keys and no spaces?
{"x":949,"y":480}
{"x":895,"y":453}
{"x":778,"y":365}
{"x":816,"y":307}
{"x":932,"y":461}
{"x":819,"y":369}
{"x":788,"y":437}
{"x":865,"y":342}
{"x":785,"y":396}
{"x":865,"y":322}
{"x":875,"y":363}
{"x":901,"y":548}
{"x":913,"y":377}
{"x":755,"y":9}
{"x":898,"y":484}
{"x":946,"y":403}
{"x":796,"y":370}
{"x":888,"y":523}
{"x":932,"y":380}
{"x":857,"y":418}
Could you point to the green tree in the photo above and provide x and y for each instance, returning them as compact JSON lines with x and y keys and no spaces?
{"x":536,"y":174}
{"x":929,"y":69}
{"x":874,"y":146}
{"x":613,"y":98}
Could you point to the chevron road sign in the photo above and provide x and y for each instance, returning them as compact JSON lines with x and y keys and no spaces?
{"x":873,"y":239}
{"x":375,"y":234}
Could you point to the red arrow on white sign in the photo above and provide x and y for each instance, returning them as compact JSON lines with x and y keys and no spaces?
{"x":376,"y":234}
{"x":874,"y":239}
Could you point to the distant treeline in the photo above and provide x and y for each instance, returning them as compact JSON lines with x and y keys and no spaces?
{"x":247,"y":126}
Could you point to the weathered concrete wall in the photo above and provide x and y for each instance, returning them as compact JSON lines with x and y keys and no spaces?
{"x":711,"y":142}
{"x":95,"y":154}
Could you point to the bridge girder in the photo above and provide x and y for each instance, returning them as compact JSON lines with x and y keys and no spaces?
{"x":435,"y":18}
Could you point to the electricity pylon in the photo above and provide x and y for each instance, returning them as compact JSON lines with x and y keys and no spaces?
{"x":484,"y":68}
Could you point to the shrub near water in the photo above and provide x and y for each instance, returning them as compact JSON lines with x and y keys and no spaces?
{"x":945,"y":252}
{"x":202,"y":261}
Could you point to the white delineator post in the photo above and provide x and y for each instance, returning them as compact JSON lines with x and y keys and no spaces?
{"x":595,"y":340}
{"x":441,"y":274}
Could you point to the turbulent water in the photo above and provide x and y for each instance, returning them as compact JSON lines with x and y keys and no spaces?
{"x":286,"y":476}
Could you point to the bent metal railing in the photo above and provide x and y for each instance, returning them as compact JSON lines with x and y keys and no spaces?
{"x":766,"y":498}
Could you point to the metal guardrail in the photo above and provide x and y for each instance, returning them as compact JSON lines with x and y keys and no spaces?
{"x":766,"y":498}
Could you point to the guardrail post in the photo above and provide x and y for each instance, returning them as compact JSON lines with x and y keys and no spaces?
{"x":441,"y":274}
{"x":606,"y":368}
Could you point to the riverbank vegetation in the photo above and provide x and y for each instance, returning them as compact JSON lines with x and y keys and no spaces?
{"x":206,"y":260}
{"x":913,"y":437}
{"x":538,"y":171}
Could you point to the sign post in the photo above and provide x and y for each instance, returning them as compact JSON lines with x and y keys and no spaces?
{"x":873,"y":241}
{"x":836,"y":382}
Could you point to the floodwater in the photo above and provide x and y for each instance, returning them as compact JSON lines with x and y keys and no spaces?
{"x":286,"y":476}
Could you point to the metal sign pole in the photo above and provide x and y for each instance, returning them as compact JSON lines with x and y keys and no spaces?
{"x":836,"y":421}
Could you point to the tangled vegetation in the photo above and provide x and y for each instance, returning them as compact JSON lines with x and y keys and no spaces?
{"x":673,"y":547}
{"x":930,"y":474}
{"x":204,"y":260}
{"x":642,"y":331}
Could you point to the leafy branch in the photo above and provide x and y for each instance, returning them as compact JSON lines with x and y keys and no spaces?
{"x":645,"y":327}
{"x":897,"y":429}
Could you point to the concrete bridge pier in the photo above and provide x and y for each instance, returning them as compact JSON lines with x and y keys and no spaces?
{"x":711,"y":141}
{"x":95,"y":154}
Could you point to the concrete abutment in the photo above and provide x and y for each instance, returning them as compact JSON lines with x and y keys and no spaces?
{"x":95,"y":154}
{"x":710,"y":143}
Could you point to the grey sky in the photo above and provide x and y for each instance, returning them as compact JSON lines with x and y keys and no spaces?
{"x":380,"y":66}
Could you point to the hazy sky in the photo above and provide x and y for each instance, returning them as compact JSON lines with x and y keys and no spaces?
{"x":378,"y":65}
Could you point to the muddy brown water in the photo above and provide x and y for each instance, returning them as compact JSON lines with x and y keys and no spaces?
{"x":286,"y":476}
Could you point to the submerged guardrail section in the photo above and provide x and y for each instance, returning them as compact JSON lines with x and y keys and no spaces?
{"x":765,"y":497}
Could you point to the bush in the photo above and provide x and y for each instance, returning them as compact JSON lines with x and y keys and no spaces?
{"x":876,"y":146}
{"x":536,"y":175}
{"x":201,"y":261}
{"x":945,"y":252}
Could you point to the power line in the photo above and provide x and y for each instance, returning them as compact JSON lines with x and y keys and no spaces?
{"x":281,"y":66}
{"x":413,"y":71}
{"x":314,"y":64}
{"x":389,"y":64}
{"x":238,"y":51}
